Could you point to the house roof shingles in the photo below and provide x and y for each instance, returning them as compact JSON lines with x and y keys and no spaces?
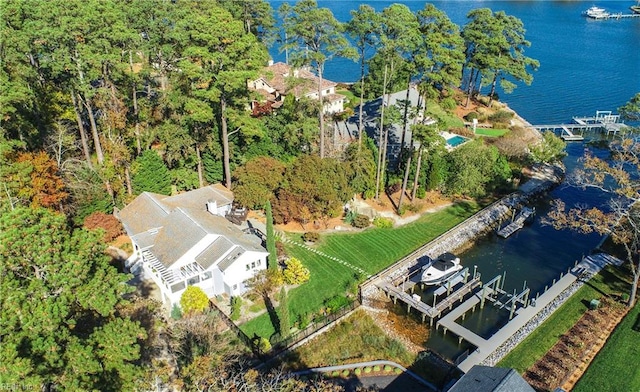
{"x":278,"y":74}
{"x":144,"y":213}
{"x":198,"y":198}
{"x":176,"y":237}
{"x":491,"y":379}
{"x":215,"y":251}
{"x":172,"y":225}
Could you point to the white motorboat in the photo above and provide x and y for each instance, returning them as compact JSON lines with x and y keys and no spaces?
{"x":596,"y":13}
{"x":443,"y":268}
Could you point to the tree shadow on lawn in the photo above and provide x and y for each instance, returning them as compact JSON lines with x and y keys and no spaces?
{"x":273,"y":315}
{"x":613,"y":278}
{"x":463,"y":209}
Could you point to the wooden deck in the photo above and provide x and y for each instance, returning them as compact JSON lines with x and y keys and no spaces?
{"x":517,"y":224}
{"x":485,"y":347}
{"x":427,"y":310}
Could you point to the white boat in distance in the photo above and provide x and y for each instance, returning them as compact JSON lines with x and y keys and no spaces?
{"x":443,"y":268}
{"x":596,"y":13}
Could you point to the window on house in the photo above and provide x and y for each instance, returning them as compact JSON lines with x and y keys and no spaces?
{"x":177,"y":287}
{"x":194,"y":280}
{"x":207,"y":275}
{"x":258,"y":263}
{"x":253,"y":265}
{"x":235,"y":287}
{"x":248,"y":267}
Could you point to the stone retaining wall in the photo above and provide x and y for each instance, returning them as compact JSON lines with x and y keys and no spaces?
{"x":459,"y":236}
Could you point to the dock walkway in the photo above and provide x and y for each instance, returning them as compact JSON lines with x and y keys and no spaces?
{"x":485,"y":347}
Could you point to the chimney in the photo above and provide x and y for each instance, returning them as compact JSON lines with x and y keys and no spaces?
{"x":212,"y":207}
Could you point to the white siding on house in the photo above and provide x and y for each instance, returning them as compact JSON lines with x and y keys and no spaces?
{"x":238,"y":272}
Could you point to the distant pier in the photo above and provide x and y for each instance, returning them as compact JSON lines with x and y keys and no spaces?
{"x":618,"y":15}
{"x":604,"y":121}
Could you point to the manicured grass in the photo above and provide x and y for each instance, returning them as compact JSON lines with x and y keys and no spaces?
{"x":536,"y":345}
{"x":449,"y":120}
{"x":353,"y":100}
{"x":615,"y":367}
{"x":372,"y":250}
{"x":491,"y":132}
{"x":356,"y":339}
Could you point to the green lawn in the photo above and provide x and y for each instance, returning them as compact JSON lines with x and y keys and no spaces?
{"x":450,"y":120}
{"x":615,"y":367}
{"x":546,"y":335}
{"x":488,"y":132}
{"x":353,"y":101}
{"x":372,"y":250}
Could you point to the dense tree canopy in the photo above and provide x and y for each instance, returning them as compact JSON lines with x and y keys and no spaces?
{"x":495,"y":45}
{"x":61,"y":322}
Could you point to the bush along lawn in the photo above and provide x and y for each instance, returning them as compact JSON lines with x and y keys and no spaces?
{"x":610,"y":281}
{"x":335,"y":283}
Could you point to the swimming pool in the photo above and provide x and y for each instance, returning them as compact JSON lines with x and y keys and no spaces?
{"x":456,"y":141}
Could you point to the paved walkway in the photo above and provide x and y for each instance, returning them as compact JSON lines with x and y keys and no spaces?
{"x":485,"y":347}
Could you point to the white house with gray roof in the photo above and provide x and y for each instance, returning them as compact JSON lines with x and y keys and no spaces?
{"x":185,"y":240}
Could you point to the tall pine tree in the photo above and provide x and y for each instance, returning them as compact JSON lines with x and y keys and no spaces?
{"x":62,"y":326}
{"x":150,"y":174}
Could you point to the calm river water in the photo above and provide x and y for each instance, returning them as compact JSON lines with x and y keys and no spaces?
{"x":586,"y":65}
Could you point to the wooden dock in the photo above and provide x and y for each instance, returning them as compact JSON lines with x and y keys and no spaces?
{"x":485,"y":347}
{"x":517,"y":224}
{"x":396,"y":292}
{"x":569,"y":136}
{"x":619,"y":15}
{"x":603,"y":120}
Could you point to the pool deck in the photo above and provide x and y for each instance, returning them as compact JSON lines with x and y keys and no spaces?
{"x":485,"y":347}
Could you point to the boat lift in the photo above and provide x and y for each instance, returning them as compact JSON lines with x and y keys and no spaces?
{"x":494,"y":292}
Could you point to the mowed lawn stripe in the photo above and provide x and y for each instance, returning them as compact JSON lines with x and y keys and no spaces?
{"x":372,"y":250}
{"x":375,"y":249}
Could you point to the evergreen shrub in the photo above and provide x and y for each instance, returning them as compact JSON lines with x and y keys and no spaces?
{"x":310,"y":236}
{"x":382,"y":223}
{"x":360,"y":221}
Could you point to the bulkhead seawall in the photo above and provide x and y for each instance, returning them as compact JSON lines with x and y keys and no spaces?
{"x":542,"y":178}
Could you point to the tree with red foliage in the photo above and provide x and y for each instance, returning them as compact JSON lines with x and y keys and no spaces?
{"x":33,"y":180}
{"x":108,"y":223}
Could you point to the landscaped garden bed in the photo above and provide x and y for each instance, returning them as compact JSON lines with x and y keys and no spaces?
{"x":565,"y":361}
{"x":615,"y":367}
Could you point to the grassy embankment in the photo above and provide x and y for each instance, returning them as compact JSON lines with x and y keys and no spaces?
{"x":372,"y":250}
{"x":356,"y":339}
{"x":615,"y":367}
{"x":448,"y":119}
{"x":359,"y":339}
{"x":611,"y":280}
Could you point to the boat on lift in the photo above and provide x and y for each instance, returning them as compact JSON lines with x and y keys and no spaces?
{"x":440,"y":270}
